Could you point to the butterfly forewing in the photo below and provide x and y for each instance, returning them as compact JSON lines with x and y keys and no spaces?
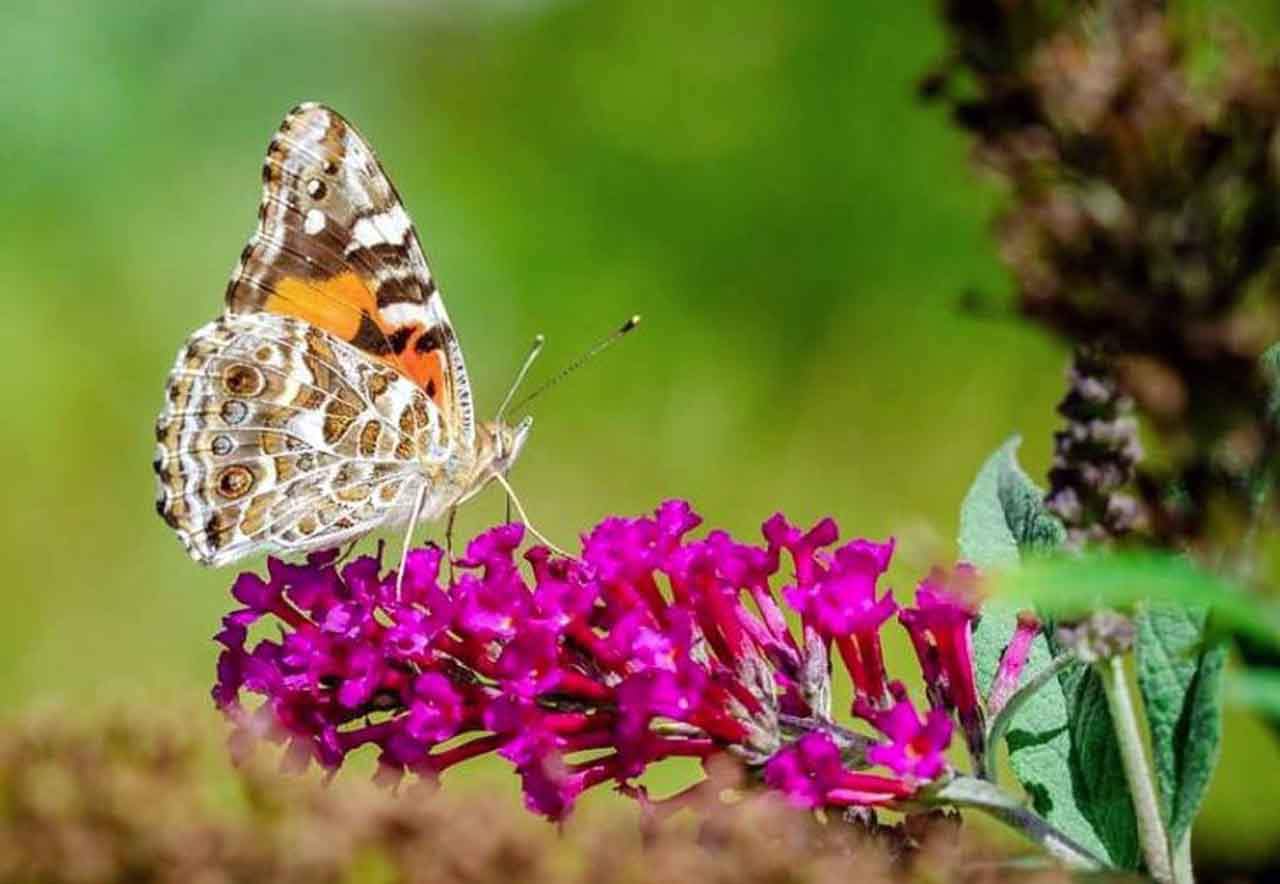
{"x":335,"y":246}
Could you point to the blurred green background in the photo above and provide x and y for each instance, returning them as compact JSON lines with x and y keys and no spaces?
{"x":756,"y":178}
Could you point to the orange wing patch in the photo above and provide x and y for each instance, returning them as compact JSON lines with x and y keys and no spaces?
{"x":425,"y":367}
{"x":337,"y":304}
{"x":343,"y":305}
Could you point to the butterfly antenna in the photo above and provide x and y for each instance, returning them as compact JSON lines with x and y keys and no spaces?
{"x":582,"y":360}
{"x":538,"y":341}
{"x":524,"y":517}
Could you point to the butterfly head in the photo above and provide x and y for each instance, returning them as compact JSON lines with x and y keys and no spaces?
{"x":500,"y":445}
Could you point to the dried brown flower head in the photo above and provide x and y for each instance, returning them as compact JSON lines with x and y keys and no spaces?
{"x":127,"y":798}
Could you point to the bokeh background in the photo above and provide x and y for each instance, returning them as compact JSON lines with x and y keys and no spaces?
{"x":756,"y":178}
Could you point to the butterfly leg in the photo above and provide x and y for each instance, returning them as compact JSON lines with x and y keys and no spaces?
{"x":524,"y":517}
{"x":346,"y":553}
{"x":414,"y":515}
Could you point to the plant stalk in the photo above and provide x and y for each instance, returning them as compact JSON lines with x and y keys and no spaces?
{"x":1133,"y":755}
{"x":1182,"y":870}
{"x":990,"y":799}
{"x":1004,"y":717}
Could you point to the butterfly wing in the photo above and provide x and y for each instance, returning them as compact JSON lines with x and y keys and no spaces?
{"x":277,"y":435}
{"x":335,"y":247}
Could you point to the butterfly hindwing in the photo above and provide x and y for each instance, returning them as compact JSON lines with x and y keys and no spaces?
{"x":335,"y":247}
{"x":278,"y":435}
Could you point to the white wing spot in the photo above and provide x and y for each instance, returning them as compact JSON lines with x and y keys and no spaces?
{"x":404,"y":313}
{"x":390,"y":226}
{"x":314,"y":222}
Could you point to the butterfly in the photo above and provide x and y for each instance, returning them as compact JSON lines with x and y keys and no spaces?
{"x":331,"y":397}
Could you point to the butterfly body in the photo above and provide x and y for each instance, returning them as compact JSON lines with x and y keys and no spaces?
{"x":331,"y":397}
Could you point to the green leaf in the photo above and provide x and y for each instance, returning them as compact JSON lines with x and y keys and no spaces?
{"x":1002,"y":517}
{"x":1003,"y":514}
{"x":1181,"y":683}
{"x":1269,"y":362}
{"x":1259,"y":690}
{"x":1040,"y":735}
{"x":1071,"y":586}
{"x":1097,"y":770}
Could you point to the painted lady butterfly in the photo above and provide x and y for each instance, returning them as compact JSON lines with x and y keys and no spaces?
{"x":330,"y":398}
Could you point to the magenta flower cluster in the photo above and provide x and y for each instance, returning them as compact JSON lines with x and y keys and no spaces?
{"x":584,"y":671}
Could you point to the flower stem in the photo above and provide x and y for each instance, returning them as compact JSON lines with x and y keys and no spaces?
{"x":1004,"y":717}
{"x":1133,"y":755}
{"x":1182,"y":870}
{"x":853,"y":745}
{"x":990,"y":799}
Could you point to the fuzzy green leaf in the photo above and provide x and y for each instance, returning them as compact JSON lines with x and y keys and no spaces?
{"x":1097,"y":769}
{"x":986,"y":539}
{"x":1181,"y":683}
{"x":1002,"y":518}
{"x":1040,"y":736}
{"x":1269,"y":363}
{"x":1003,"y":515}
